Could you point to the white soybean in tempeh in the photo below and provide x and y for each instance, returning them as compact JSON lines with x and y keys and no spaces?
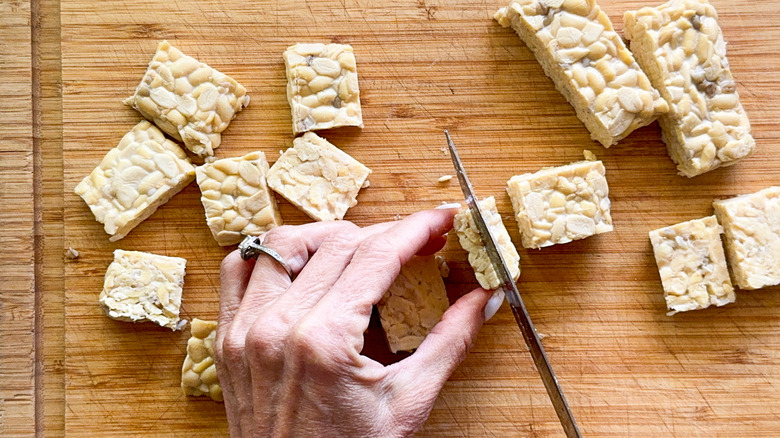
{"x":680,"y":46}
{"x":752,"y":226}
{"x":578,"y":49}
{"x":187,"y":99}
{"x":692,"y":265}
{"x":560,"y":204}
{"x":322,"y":86}
{"x":140,"y":286}
{"x":470,"y":240}
{"x":198,"y":372}
{"x":317,"y":177}
{"x":236,"y":197}
{"x":140,"y":174}
{"x":413,"y":304}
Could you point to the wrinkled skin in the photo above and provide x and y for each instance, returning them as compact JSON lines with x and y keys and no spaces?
{"x":288,"y":352}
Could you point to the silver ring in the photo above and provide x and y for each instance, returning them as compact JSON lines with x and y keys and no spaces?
{"x":250,"y":248}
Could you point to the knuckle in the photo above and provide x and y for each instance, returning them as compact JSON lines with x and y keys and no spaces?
{"x":232,"y":348}
{"x":307,"y":340}
{"x":281,"y":234}
{"x":345,"y":241}
{"x":381,"y":250}
{"x":264,"y":340}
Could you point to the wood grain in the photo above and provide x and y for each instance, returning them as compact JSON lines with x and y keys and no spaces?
{"x":17,"y":273}
{"x":627,"y":369}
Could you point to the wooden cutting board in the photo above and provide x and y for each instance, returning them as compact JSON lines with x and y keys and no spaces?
{"x":424,"y":66}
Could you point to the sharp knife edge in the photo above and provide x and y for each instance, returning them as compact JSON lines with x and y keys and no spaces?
{"x":515,"y":301}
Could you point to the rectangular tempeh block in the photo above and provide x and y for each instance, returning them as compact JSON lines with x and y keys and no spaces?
{"x":560,"y":204}
{"x":578,"y":49}
{"x":413,"y":304}
{"x":187,"y":99}
{"x":680,"y":46}
{"x":236,"y":197}
{"x":140,"y":174}
{"x":322,"y":86}
{"x":692,"y":265}
{"x":198,"y":372}
{"x":140,"y":286}
{"x":470,"y":240}
{"x":317,"y":177}
{"x":752,"y":226}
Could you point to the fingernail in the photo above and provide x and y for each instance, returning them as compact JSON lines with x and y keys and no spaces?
{"x":494,"y":303}
{"x":449,"y":205}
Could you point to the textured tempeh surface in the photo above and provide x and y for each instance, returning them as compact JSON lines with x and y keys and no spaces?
{"x":628,"y":370}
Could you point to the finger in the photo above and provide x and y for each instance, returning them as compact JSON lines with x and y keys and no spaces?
{"x":321,"y":272}
{"x":234,"y":276}
{"x":294,"y":244}
{"x":447,"y":345}
{"x":375,"y":265}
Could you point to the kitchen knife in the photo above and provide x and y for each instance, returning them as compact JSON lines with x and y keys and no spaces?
{"x":515,"y":301}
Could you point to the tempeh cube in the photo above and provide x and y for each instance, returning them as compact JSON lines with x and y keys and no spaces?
{"x":692,"y":265}
{"x":752,"y":225}
{"x":322,"y":86}
{"x":561,"y":204}
{"x":413,"y":304}
{"x":578,"y":49}
{"x":470,"y":240}
{"x":140,"y":174}
{"x":680,"y":46}
{"x":236,"y":197}
{"x":198,"y":372}
{"x":317,"y":177}
{"x":187,"y":99}
{"x":140,"y":286}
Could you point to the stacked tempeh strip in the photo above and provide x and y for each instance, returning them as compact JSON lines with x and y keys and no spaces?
{"x":681,"y":47}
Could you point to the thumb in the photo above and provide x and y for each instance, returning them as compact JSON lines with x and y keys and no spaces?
{"x":446,"y":346}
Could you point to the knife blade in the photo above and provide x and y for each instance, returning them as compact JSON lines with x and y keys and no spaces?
{"x":515,"y":301}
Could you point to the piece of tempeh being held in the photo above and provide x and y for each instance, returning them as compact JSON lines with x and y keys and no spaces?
{"x":322,"y":86}
{"x":470,"y":240}
{"x":589,"y":64}
{"x":140,"y":174}
{"x":198,"y":372}
{"x":692,"y":265}
{"x":561,"y":204}
{"x":752,"y":226}
{"x":140,"y":286}
{"x":236,"y":198}
{"x":680,"y":46}
{"x":317,"y":177}
{"x":187,"y":99}
{"x":413,"y":304}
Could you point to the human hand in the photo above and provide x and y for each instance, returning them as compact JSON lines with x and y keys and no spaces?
{"x":288,"y":351}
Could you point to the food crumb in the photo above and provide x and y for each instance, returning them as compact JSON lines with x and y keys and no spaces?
{"x":589,"y":156}
{"x":444,"y":269}
{"x":445,"y":178}
{"x":541,"y":335}
{"x":71,"y":253}
{"x":397,"y":217}
{"x":366,"y":183}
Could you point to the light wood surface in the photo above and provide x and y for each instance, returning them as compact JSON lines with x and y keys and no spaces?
{"x":17,"y":270}
{"x":627,"y":369}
